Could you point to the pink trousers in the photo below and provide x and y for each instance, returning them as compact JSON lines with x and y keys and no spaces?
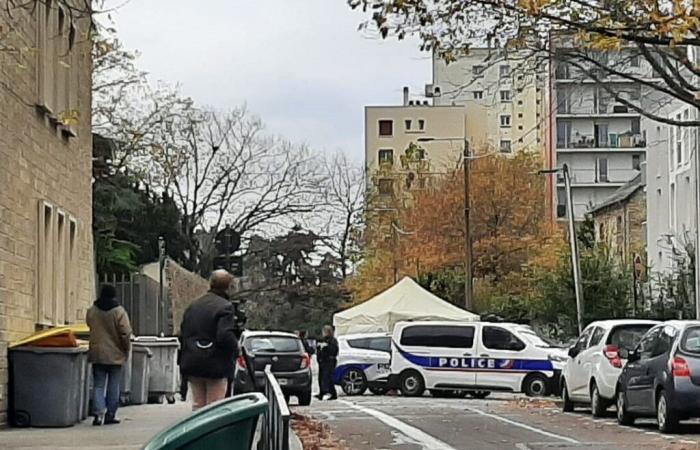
{"x":206,"y":391}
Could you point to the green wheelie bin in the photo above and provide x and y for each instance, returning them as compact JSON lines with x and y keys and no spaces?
{"x":228,"y":424}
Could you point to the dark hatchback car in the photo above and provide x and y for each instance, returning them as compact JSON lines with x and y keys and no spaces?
{"x":289,"y":362}
{"x":662,"y":376}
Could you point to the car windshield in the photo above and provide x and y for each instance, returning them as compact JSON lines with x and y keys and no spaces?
{"x":535,"y":339}
{"x":627,"y":336}
{"x":272,"y":344}
{"x":691,"y":340}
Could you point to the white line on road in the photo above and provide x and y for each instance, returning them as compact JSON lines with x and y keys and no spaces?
{"x":523,"y":426}
{"x":426,"y":441}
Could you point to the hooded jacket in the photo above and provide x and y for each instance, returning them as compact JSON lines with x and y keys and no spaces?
{"x":208,"y":338}
{"x":110,"y":332}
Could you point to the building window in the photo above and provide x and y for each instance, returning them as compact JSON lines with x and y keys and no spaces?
{"x":386,"y":127}
{"x":477,"y":69}
{"x":505,"y":146}
{"x":504,"y":71}
{"x":673,"y":207}
{"x":505,"y":96}
{"x":679,"y":142}
{"x":505,"y":120}
{"x":421,"y":124}
{"x":386,"y":156}
{"x":478,"y":95}
{"x":636,"y":162}
{"x":407,"y":123}
{"x":520,"y":115}
{"x":520,"y":127}
{"x":386,"y":187}
{"x":602,"y":164}
{"x":561,"y":203}
{"x":56,"y":262}
{"x":520,"y":103}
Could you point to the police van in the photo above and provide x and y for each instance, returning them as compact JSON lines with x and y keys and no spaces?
{"x":473,"y":357}
{"x":363,"y":363}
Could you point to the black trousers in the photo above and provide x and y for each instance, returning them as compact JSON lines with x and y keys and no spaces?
{"x":326,"y":382}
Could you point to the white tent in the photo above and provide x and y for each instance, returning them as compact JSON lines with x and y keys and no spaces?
{"x":406,"y":300}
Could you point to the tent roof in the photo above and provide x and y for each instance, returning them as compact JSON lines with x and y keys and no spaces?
{"x":408,"y":298}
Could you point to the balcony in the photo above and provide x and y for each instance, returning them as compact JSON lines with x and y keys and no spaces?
{"x":599,"y":178}
{"x":628,"y":141}
{"x":601,"y":110}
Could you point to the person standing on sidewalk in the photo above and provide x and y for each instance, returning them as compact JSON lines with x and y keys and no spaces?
{"x":327,"y":356}
{"x":110,"y":344}
{"x":209,"y":344}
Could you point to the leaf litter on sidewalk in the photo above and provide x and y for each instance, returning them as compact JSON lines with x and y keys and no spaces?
{"x":315,"y":435}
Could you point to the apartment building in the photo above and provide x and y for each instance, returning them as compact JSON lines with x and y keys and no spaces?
{"x":603,"y":142}
{"x":503,"y":95}
{"x":46,"y":250}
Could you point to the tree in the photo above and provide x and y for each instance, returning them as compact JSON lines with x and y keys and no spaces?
{"x":579,"y":33}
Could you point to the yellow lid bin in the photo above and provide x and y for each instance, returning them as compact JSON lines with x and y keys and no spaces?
{"x":65,"y":336}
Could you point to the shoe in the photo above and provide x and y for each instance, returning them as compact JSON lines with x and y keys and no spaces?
{"x":112,"y":421}
{"x":319,"y":396}
{"x":97,"y":421}
{"x":327,"y":397}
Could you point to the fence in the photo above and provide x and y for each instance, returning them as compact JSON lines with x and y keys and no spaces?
{"x":141,"y":296}
{"x":275,"y":426}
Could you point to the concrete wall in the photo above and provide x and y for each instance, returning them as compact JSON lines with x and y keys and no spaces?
{"x":41,"y":162}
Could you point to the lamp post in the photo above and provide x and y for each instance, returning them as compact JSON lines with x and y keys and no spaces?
{"x":468,"y":277}
{"x":575,"y":264}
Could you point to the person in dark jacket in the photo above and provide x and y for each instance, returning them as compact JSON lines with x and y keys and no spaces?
{"x":110,"y":344}
{"x":327,"y":357}
{"x":305,"y":342}
{"x":209,"y":344}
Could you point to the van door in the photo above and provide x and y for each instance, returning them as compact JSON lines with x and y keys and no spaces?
{"x":501,"y":358}
{"x":443,"y":354}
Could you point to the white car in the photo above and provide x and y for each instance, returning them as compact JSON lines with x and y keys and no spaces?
{"x":473,"y":357}
{"x":363,"y":362}
{"x":596,"y":362}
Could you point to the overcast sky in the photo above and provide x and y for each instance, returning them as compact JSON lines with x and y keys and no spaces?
{"x":299,"y":64}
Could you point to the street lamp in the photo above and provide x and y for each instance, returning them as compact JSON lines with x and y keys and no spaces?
{"x":468,"y":283}
{"x":573,"y":242}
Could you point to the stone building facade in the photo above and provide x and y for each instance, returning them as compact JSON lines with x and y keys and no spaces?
{"x":46,"y":249}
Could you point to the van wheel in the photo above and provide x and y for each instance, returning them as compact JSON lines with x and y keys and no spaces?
{"x":567,"y":404}
{"x":354,"y":382}
{"x":598,"y":404}
{"x":411,"y":384}
{"x":535,"y":385}
{"x":667,"y":418}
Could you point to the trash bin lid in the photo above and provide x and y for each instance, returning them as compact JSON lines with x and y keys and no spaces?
{"x":44,"y":335}
{"x":211,"y":419}
{"x":155,"y":341}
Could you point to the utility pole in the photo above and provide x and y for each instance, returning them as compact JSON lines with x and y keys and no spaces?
{"x":468,"y":279}
{"x":576,"y":267}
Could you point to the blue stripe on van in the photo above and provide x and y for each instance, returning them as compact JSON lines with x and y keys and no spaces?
{"x":340,"y":370}
{"x":468,"y":364}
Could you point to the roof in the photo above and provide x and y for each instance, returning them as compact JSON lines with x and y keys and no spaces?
{"x":621,"y":195}
{"x":364,"y":335}
{"x":617,"y":322}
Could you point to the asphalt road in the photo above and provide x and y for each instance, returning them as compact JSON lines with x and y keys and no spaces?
{"x":501,"y":422}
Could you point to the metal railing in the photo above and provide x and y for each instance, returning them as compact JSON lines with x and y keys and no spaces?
{"x":275,"y":425}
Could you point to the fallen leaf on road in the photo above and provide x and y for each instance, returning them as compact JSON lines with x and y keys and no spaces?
{"x":315,"y":435}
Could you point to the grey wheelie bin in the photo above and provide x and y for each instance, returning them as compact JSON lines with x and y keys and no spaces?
{"x":125,"y":382}
{"x":225,"y":425}
{"x":47,"y":386}
{"x":140,"y":374}
{"x":163,"y":380}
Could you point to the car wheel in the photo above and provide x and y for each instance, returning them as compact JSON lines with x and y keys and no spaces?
{"x":623,"y":417}
{"x":354,"y":382}
{"x":378,"y":390}
{"x":668,"y":420}
{"x":479,"y":395}
{"x":535,"y":385}
{"x":411,"y":384}
{"x":304,"y":398}
{"x":567,"y":404}
{"x":598,"y":405}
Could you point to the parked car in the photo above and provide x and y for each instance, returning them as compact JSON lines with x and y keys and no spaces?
{"x":596,"y":361}
{"x":662,"y":376}
{"x":473,"y":357}
{"x":364,"y":362}
{"x":289,"y":362}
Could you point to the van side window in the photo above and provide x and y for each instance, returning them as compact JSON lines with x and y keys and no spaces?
{"x":382,"y":344}
{"x":496,"y":338}
{"x":438,"y":336}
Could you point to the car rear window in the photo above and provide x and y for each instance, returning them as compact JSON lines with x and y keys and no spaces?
{"x":627,"y":336}
{"x":691,"y":340}
{"x":273,"y":344}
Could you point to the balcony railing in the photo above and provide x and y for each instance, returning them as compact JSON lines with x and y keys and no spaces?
{"x":593,"y":176}
{"x":612,"y":140}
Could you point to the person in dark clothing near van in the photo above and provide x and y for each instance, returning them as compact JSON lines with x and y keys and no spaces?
{"x":209,"y":344}
{"x":305,"y":342}
{"x":110,"y":344}
{"x":327,"y":358}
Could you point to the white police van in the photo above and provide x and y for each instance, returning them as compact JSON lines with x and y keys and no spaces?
{"x":473,"y":357}
{"x":363,"y":362}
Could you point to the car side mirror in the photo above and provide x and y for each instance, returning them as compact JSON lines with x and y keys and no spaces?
{"x":573,"y":352}
{"x":632,"y":356}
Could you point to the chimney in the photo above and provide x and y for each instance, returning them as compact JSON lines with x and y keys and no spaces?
{"x":405,"y":96}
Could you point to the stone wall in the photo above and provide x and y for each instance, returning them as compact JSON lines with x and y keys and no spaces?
{"x":621,"y":228}
{"x":183,"y":287}
{"x":40,"y":161}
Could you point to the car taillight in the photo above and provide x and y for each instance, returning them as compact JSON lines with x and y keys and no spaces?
{"x":305,"y":360}
{"x":240,"y":362}
{"x":612,"y":353}
{"x":679,"y":367}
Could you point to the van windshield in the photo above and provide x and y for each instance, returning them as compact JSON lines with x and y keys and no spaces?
{"x":534,"y":339}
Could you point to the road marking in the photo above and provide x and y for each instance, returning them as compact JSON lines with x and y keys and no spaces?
{"x":521,"y":446}
{"x":419,"y":437}
{"x":525,"y":427}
